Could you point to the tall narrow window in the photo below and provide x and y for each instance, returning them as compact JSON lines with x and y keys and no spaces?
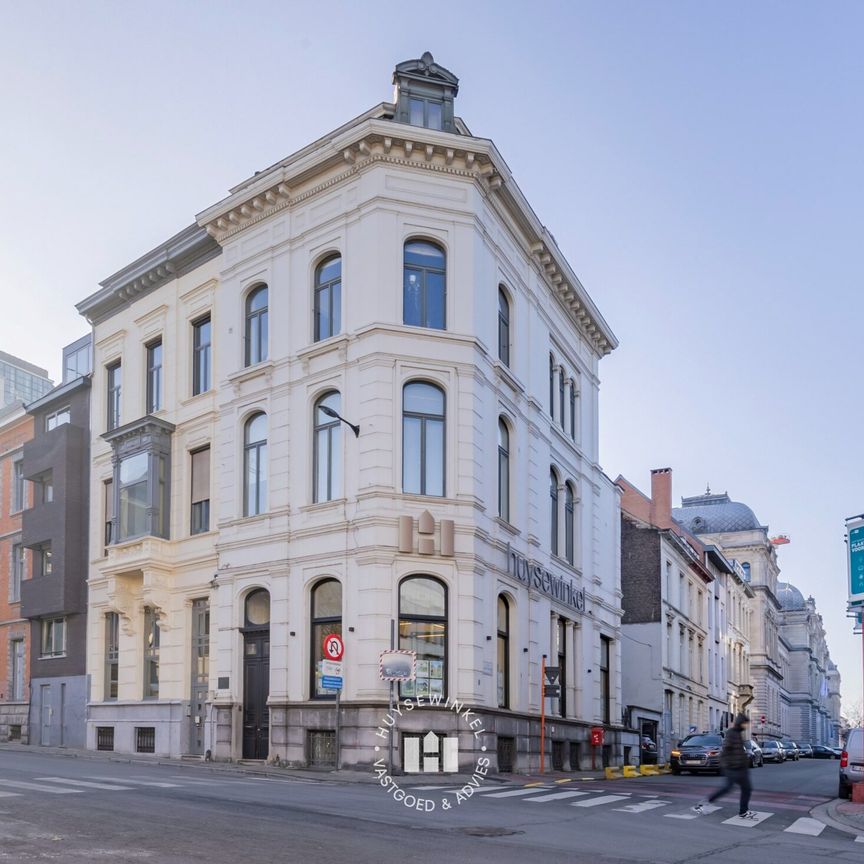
{"x":503,"y":327}
{"x":425,"y":285}
{"x":326,"y":612}
{"x":202,"y":340}
{"x":200,"y":516}
{"x":45,"y":560}
{"x":115,"y":378}
{"x":154,"y":376}
{"x":18,"y":497}
{"x":503,"y":652}
{"x":18,"y":670}
{"x":255,"y":465}
{"x":151,"y":654}
{"x":553,"y":512}
{"x":112,"y":654}
{"x":569,"y":520}
{"x":605,"y":692}
{"x":109,"y":513}
{"x":503,"y":471}
{"x":328,"y":298}
{"x":53,"y":637}
{"x":17,"y":573}
{"x":561,"y":653}
{"x":561,"y":401}
{"x":256,"y":326}
{"x":134,"y":496}
{"x":551,"y":386}
{"x":423,"y":628}
{"x":573,"y":409}
{"x":423,"y":439}
{"x":327,"y":456}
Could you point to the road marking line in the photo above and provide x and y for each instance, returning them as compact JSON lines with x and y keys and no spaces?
{"x":535,"y":783}
{"x":706,"y":808}
{"x":429,"y":788}
{"x":603,"y":799}
{"x":514,"y":792}
{"x":859,"y":838}
{"x":9,"y":794}
{"x":642,"y":806}
{"x":111,"y":787}
{"x":557,"y":796}
{"x":758,"y":817}
{"x":38,"y":787}
{"x":805,"y":825}
{"x":136,"y":782}
{"x":565,"y":780}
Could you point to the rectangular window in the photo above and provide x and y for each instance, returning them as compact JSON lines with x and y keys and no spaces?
{"x":53,"y":637}
{"x":45,"y":560}
{"x":43,"y":487}
{"x":109,"y":512}
{"x":201,"y":346}
{"x":16,"y":572}
{"x":200,"y":491}
{"x":18,"y":498}
{"x":76,"y":362}
{"x":154,"y":376}
{"x":112,"y":654}
{"x":115,"y":376}
{"x":17,"y":654}
{"x":605,"y":693}
{"x":133,"y":496}
{"x":561,"y":649}
{"x":151,"y":654}
{"x":58,"y":418}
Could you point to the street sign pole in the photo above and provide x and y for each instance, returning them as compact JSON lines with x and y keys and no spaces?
{"x":542,"y":712}
{"x":338,"y":730}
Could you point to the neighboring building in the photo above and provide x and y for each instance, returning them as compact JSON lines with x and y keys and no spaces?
{"x":739,"y":614}
{"x":669,"y":603}
{"x":733,"y":527}
{"x":21,"y":381}
{"x":393,"y":274}
{"x":56,"y":462}
{"x":16,"y":428}
{"x":834,"y":704}
{"x":813,"y":714}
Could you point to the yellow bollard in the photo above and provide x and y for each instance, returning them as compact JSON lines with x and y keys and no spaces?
{"x":612,"y":773}
{"x":649,"y":770}
{"x":630,"y":771}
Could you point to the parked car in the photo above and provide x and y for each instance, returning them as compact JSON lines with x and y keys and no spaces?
{"x":806,"y":751}
{"x":696,"y":753}
{"x":772,"y":751}
{"x":648,"y":751}
{"x":791,"y":748}
{"x":851,"y":762}
{"x":820,"y":751}
{"x":754,"y":751}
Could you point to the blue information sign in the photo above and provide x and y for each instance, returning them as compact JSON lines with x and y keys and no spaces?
{"x":856,"y":562}
{"x":331,"y":682}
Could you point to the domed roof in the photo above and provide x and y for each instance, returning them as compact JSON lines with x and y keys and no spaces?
{"x":789,"y":596}
{"x":715,"y":514}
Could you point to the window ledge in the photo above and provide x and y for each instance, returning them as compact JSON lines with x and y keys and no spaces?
{"x":507,"y":526}
{"x":52,"y":656}
{"x":197,"y":396}
{"x":247,"y":373}
{"x":505,"y":372}
{"x":333,"y":504}
{"x":322,"y":346}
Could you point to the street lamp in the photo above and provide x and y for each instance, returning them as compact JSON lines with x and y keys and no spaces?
{"x":331,"y":413}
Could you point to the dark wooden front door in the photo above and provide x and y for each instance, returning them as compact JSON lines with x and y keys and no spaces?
{"x":256,"y":689}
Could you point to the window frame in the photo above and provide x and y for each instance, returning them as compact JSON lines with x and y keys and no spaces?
{"x":504,"y":470}
{"x":562,"y":402}
{"x":258,"y":447}
{"x":569,"y":523}
{"x":554,"y":504}
{"x":573,"y":397}
{"x":426,"y":619}
{"x":112,"y":657}
{"x":605,"y":679}
{"x":561,"y":646}
{"x":425,"y":419}
{"x":17,"y":564}
{"x":54,"y":419}
{"x":333,"y":427}
{"x":425,"y":102}
{"x":503,"y":649}
{"x":152,"y":639}
{"x":18,"y":676}
{"x":315,"y":638}
{"x":257,"y":322}
{"x":329,"y":287}
{"x":154,"y":395}
{"x":114,"y":391}
{"x":19,"y":489}
{"x":504,"y":310}
{"x":202,"y":355}
{"x":551,"y":386}
{"x":201,"y":525}
{"x":48,"y":637}
{"x":423,"y":271}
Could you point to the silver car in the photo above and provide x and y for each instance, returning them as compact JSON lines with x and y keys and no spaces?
{"x":851,"y":762}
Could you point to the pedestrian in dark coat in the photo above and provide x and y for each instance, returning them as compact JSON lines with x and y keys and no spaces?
{"x":735,"y":764}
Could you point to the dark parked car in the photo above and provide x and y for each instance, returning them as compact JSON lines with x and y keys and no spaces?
{"x":754,"y":751}
{"x":806,"y":751}
{"x":791,"y":748}
{"x":648,"y":750}
{"x":699,"y":752}
{"x":773,"y":752}
{"x":820,"y":751}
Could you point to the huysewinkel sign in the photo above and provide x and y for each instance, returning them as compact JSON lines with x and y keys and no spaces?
{"x":536,"y":576}
{"x":855,"y":538}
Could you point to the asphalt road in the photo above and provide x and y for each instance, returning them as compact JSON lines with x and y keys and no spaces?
{"x":55,"y":808}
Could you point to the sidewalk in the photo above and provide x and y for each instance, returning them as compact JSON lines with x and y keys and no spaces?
{"x":260,"y":769}
{"x":842,"y":815}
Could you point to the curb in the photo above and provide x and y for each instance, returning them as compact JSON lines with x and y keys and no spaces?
{"x":822,"y":812}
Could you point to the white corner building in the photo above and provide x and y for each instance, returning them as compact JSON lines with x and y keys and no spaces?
{"x":358,"y":396}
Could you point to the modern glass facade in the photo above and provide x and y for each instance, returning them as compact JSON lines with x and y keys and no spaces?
{"x":21,"y":381}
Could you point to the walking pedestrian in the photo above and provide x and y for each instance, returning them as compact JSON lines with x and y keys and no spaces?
{"x":735,"y":764}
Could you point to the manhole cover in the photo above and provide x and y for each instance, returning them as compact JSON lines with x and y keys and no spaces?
{"x":488,"y":831}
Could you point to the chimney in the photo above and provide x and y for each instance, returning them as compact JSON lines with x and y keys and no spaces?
{"x":661,"y":497}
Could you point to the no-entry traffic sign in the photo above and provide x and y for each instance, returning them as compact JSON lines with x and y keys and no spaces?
{"x":334,"y":648}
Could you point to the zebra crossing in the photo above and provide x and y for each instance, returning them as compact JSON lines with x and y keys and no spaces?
{"x":14,"y":788}
{"x":635,"y":804}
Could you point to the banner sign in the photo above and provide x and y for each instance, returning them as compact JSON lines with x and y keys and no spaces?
{"x":855,"y":543}
{"x":536,"y":576}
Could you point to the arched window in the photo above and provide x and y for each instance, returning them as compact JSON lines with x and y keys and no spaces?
{"x":326,"y":619}
{"x":255,"y":465}
{"x":327,"y":459}
{"x":256,"y":610}
{"x":423,"y":439}
{"x":551,"y":386}
{"x":256,"y":326}
{"x":503,"y":652}
{"x":553,"y":511}
{"x":425,"y":285}
{"x":503,"y":327}
{"x":569,"y":522}
{"x":561,"y":396}
{"x":328,"y":298}
{"x":573,"y":395}
{"x":503,"y":470}
{"x":423,"y":628}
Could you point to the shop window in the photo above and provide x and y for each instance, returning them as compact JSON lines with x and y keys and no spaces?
{"x":326,"y":611}
{"x":423,"y":628}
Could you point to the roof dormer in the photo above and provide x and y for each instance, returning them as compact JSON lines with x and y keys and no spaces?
{"x":424,"y":94}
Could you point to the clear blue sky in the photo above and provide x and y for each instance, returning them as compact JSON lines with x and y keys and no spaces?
{"x":699,"y":163}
